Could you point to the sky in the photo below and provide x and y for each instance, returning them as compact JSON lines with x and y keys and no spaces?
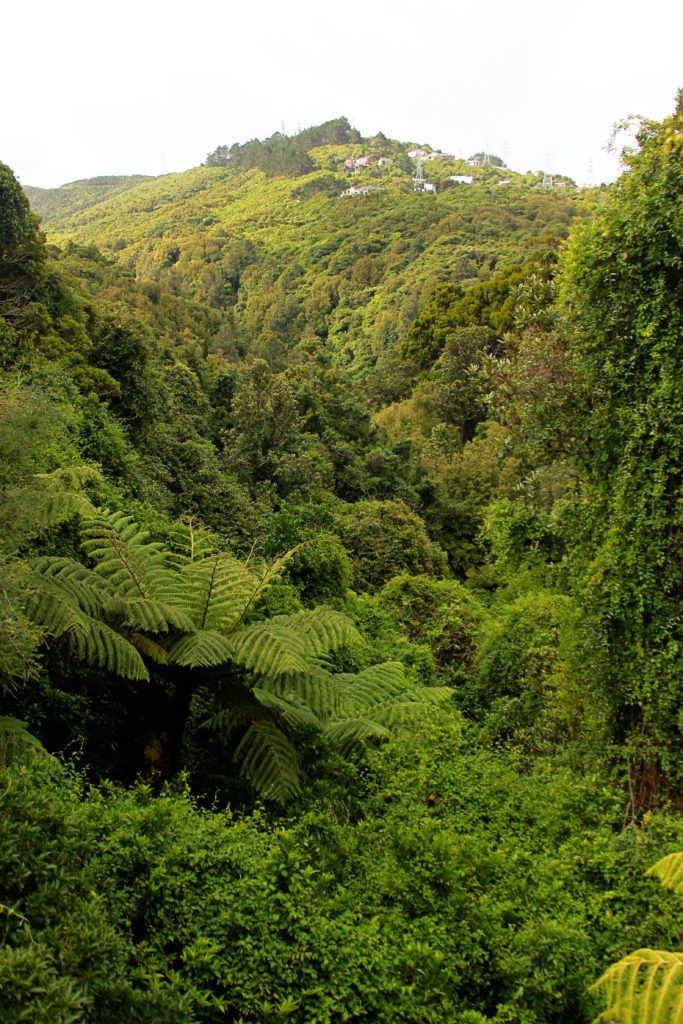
{"x":152,"y":86}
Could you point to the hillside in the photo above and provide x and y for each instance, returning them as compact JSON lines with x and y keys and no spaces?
{"x":77,"y":195}
{"x":287,"y":255}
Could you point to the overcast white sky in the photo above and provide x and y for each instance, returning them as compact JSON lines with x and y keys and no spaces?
{"x":151,"y":86}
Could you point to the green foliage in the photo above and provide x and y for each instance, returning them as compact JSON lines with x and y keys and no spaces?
{"x":384,"y":539}
{"x":621,"y":288}
{"x":646,"y":987}
{"x":145,"y":608}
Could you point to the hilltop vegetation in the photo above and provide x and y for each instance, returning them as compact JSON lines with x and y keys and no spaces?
{"x":340,"y":620}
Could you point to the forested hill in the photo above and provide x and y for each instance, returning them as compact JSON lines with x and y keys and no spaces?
{"x":340,"y":590}
{"x":278,"y":257}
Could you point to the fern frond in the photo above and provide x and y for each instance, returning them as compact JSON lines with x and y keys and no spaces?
{"x":189,"y":543}
{"x":144,"y":613}
{"x":55,"y":612}
{"x":296,"y":715}
{"x":124,"y":555}
{"x":100,"y":645}
{"x":352,"y":733}
{"x":268,"y":759}
{"x":239,"y":707}
{"x":16,"y":741}
{"x":266,"y":575}
{"x":669,"y":871}
{"x":149,"y":648}
{"x":324,"y":630}
{"x":315,"y":689}
{"x":205,"y":649}
{"x":406,"y":711}
{"x":645,"y":987}
{"x":271,"y":648}
{"x":74,"y":581}
{"x":216,"y":591}
{"x":374,"y":685}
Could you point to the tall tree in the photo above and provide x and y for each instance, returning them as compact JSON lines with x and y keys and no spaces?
{"x":622,"y":291}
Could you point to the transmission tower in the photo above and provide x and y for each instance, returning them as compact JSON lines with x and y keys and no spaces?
{"x":419,"y":179}
{"x":547,"y":175}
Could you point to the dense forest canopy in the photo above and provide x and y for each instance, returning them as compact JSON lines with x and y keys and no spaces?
{"x":340,"y":653}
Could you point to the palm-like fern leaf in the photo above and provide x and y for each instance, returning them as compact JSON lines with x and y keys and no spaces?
{"x":238,"y":707}
{"x":324,"y":630}
{"x":201,"y":650}
{"x":46,"y":499}
{"x":270,"y":761}
{"x":124,"y":555}
{"x":88,"y":590}
{"x":147,"y":614}
{"x":100,"y":645}
{"x":189,"y":543}
{"x":216,"y":591}
{"x":16,"y":741}
{"x":296,"y":715}
{"x":60,"y":616}
{"x":271,"y":648}
{"x":316,"y":689}
{"x":374,"y":685}
{"x":669,"y":871}
{"x":351,"y":733}
{"x":645,"y":987}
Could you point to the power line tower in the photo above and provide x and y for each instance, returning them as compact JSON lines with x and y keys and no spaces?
{"x":419,"y":179}
{"x":589,"y":175}
{"x":547,"y":175}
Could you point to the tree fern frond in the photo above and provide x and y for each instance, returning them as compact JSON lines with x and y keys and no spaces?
{"x":645,"y":987}
{"x":16,"y":741}
{"x":270,"y":648}
{"x":124,"y":555}
{"x":216,"y":591}
{"x":201,"y":650}
{"x":404,"y":712}
{"x":352,"y":733}
{"x":317,"y":690}
{"x":669,"y":871}
{"x":267,"y":574}
{"x":268,"y":759}
{"x":54,"y":507}
{"x":239,"y":707}
{"x":189,"y":543}
{"x":324,"y":630}
{"x":295,"y":715}
{"x":144,"y":613}
{"x":55,"y":612}
{"x":149,"y":648}
{"x":74,"y":581}
{"x":100,"y":645}
{"x":374,"y":685}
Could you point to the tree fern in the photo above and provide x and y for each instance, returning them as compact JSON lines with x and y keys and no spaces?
{"x":187,"y":606}
{"x":646,"y":987}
